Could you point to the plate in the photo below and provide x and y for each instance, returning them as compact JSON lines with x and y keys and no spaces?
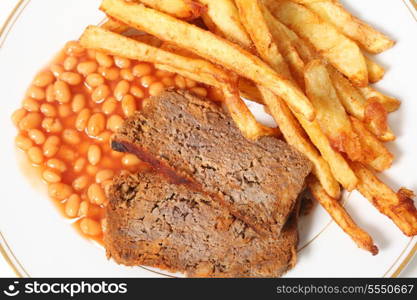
{"x":38,"y":242}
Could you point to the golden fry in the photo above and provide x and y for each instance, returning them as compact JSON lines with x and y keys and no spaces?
{"x":339,"y":50}
{"x":210,"y":47}
{"x":368,"y":37}
{"x":390,"y":104}
{"x":114,"y":26}
{"x":374,"y":153}
{"x":375,"y":71}
{"x":331,"y":115}
{"x":183,"y":9}
{"x":399,"y":207}
{"x":341,"y":217}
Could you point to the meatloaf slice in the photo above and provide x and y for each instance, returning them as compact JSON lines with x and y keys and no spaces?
{"x":193,"y":141}
{"x":156,"y":223}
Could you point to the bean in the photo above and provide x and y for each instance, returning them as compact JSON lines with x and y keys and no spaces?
{"x":50,"y":93}
{"x":57,"y":70}
{"x":121,"y":89}
{"x":51,"y":146}
{"x":35,"y":155}
{"x":104,"y":137}
{"x":122,"y":62}
{"x":114,"y":123}
{"x":82,"y":119}
{"x":50,"y":176}
{"x":52,"y":125}
{"x":71,"y":78}
{"x":94,"y":80}
{"x":156,"y":88}
{"x":168,"y":81}
{"x":66,"y":153}
{"x":31,"y":104}
{"x":18,"y":115}
{"x":23,"y":142}
{"x":109,"y":106}
{"x":80,"y":182}
{"x":94,"y":154}
{"x":71,"y":136}
{"x":70,"y":63}
{"x":90,"y":227}
{"x":84,"y":208}
{"x":116,"y":154}
{"x":78,"y":103}
{"x":190,"y":83}
{"x":91,"y":170}
{"x":130,"y":160}
{"x":127,"y":74}
{"x":142,"y":69}
{"x":147,"y":80}
{"x":137,"y":91}
{"x":30,"y":121}
{"x":104,"y":175}
{"x":64,"y":110}
{"x":100,"y":93}
{"x":48,"y":110}
{"x":110,"y":74}
{"x":56,"y":164}
{"x":86,"y":68}
{"x":72,"y":206}
{"x":91,"y":53}
{"x":37,"y":136}
{"x":43,"y":79}
{"x":73,"y":48}
{"x":104,"y":59}
{"x":59,"y":191}
{"x":128,"y":105}
{"x":96,"y":124}
{"x":199,"y":91}
{"x":163,"y":73}
{"x":62,"y":91}
{"x":79,"y":164}
{"x":96,"y":194}
{"x":180,"y":82}
{"x":36,"y":92}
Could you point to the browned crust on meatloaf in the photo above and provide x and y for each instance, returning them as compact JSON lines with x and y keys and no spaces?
{"x":192,"y":141}
{"x":155,"y":223}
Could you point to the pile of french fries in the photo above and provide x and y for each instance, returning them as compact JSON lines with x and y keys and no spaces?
{"x":304,"y":60}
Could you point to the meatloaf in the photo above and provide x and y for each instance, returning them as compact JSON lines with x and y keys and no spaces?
{"x":194,"y":142}
{"x":156,"y":223}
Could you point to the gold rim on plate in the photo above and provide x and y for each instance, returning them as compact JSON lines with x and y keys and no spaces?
{"x":20,"y":271}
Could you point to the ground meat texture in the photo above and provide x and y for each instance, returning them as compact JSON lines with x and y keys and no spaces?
{"x":194,"y":142}
{"x":155,"y":223}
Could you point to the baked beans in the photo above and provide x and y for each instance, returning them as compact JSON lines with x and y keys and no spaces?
{"x":68,"y":116}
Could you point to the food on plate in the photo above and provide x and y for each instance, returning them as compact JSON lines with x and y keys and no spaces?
{"x":366,"y":36}
{"x":193,"y":142}
{"x":399,"y":207}
{"x":156,"y":223}
{"x":331,"y":116}
{"x":341,"y":217}
{"x":212,"y":48}
{"x":142,"y":136}
{"x":341,"y":52}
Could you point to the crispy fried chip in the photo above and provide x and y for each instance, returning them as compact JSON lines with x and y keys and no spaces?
{"x":331,"y":115}
{"x":183,"y":9}
{"x":211,"y":47}
{"x":341,"y":217}
{"x":399,"y":207}
{"x":391,"y":104}
{"x":340,"y":51}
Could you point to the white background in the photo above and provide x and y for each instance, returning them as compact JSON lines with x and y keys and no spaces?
{"x":5,"y":271}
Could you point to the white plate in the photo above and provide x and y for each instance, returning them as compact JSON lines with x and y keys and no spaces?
{"x":37,"y":241}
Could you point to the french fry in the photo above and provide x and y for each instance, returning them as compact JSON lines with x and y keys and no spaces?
{"x":341,"y":217}
{"x":391,"y":104}
{"x":375,"y":71}
{"x":374,"y":153}
{"x":295,"y":136}
{"x":210,"y":47}
{"x":399,"y":207}
{"x":368,"y":37}
{"x":183,"y":9}
{"x":101,"y":39}
{"x":114,"y":26}
{"x":339,"y":50}
{"x":225,"y":17}
{"x":371,"y":113}
{"x":331,"y":115}
{"x":249,"y":90}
